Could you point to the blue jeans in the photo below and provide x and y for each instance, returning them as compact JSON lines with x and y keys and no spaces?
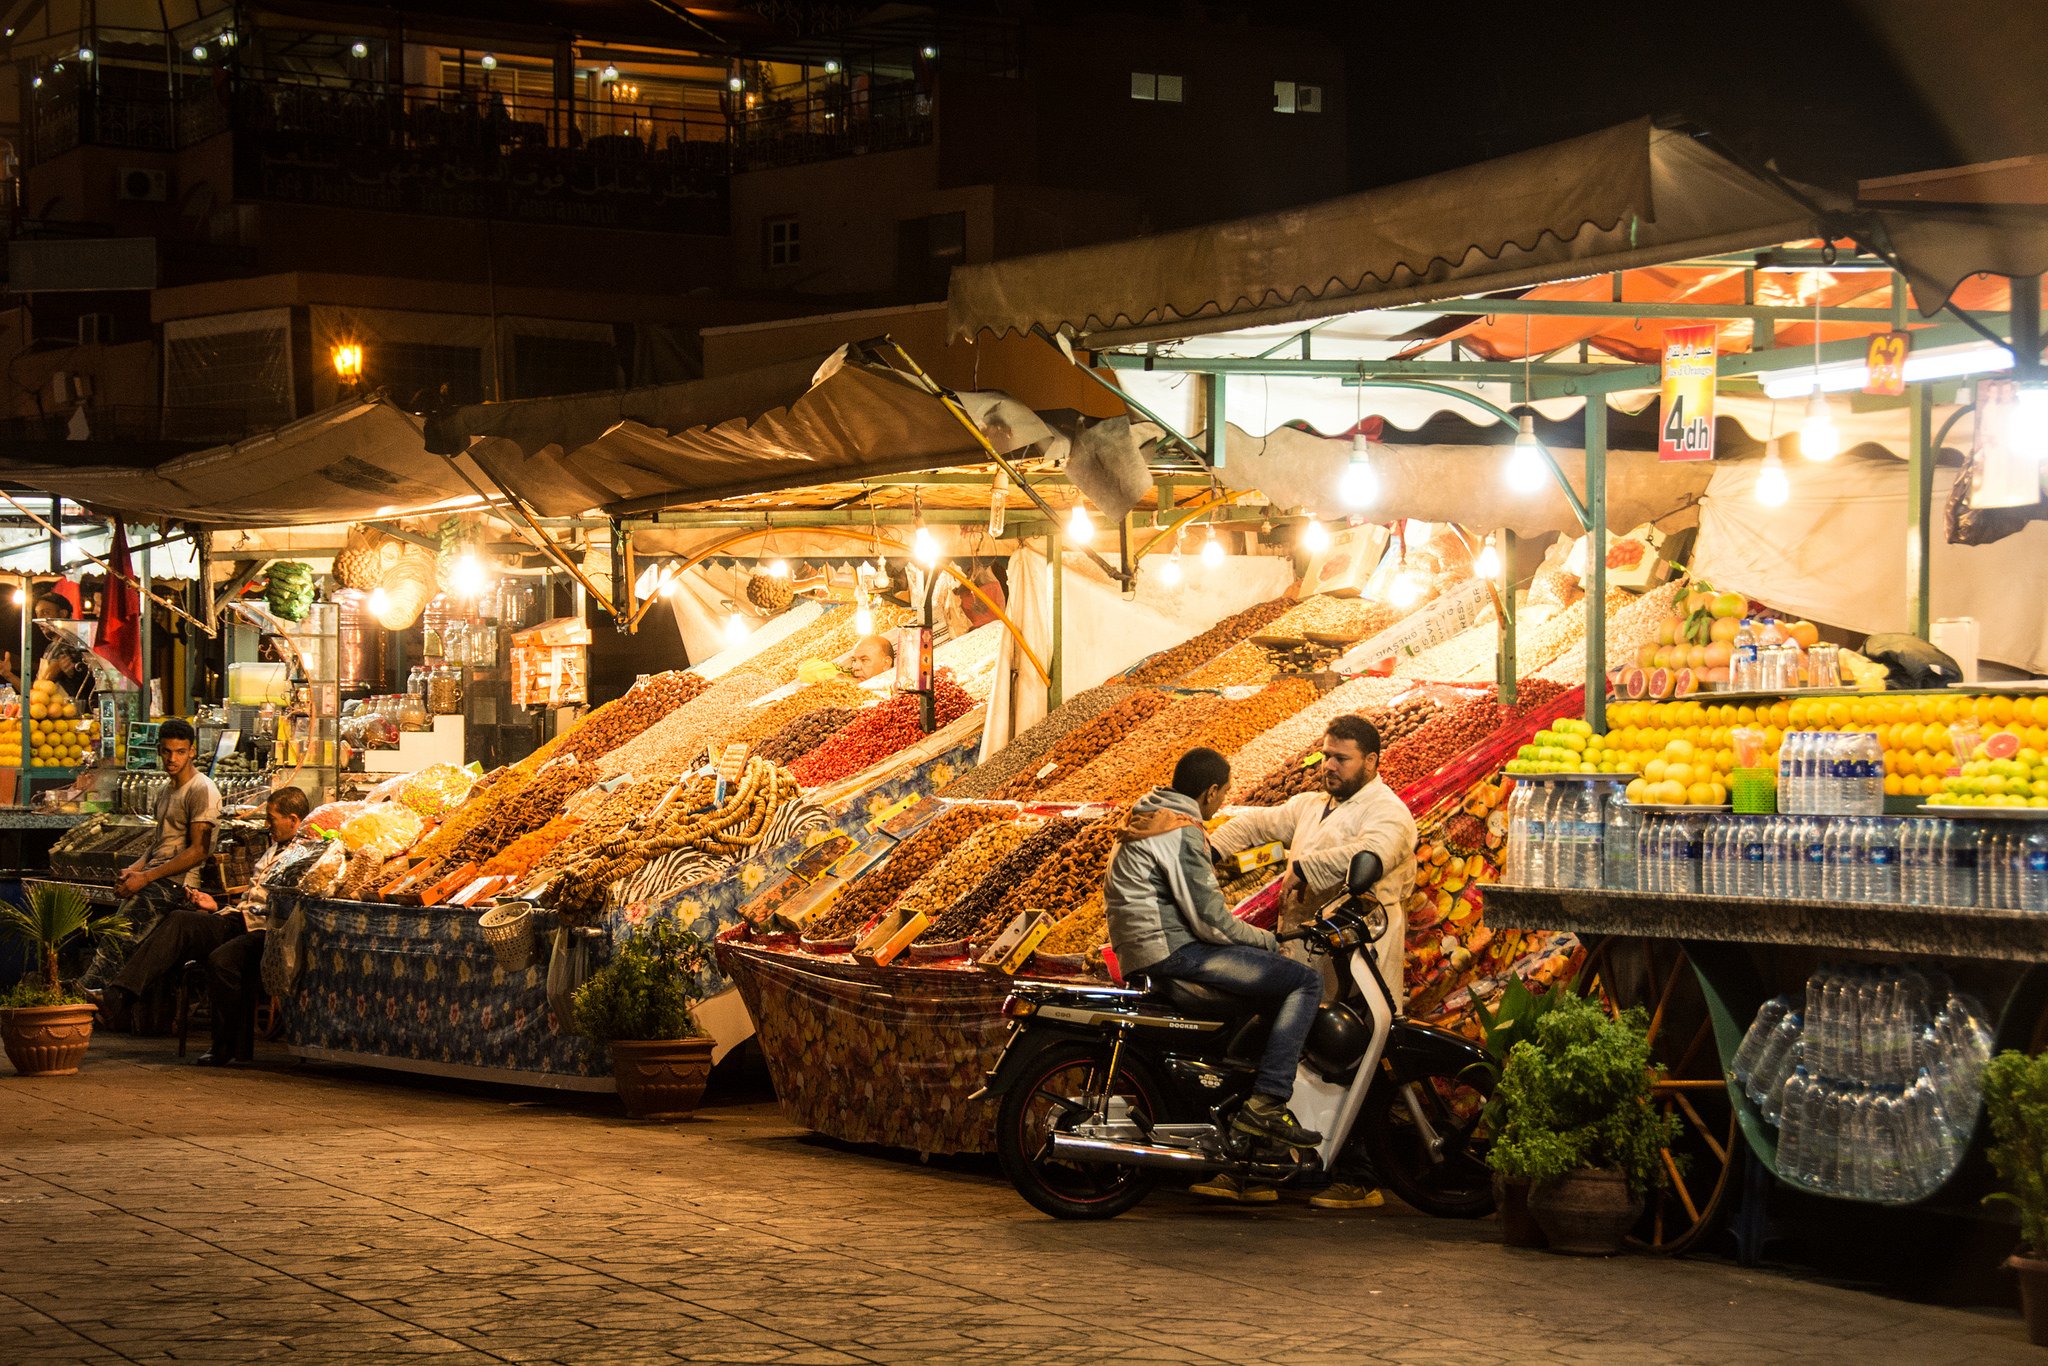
{"x":1263,"y":976}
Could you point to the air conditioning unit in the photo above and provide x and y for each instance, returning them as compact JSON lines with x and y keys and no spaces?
{"x":1308,"y":99}
{"x":95,"y":329}
{"x":142,"y":185}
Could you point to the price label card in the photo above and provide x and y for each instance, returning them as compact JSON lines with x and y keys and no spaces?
{"x":1685,"y":430}
{"x":1886,"y":364}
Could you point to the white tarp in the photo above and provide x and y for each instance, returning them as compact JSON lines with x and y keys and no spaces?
{"x":1104,"y":634}
{"x":1836,"y":552}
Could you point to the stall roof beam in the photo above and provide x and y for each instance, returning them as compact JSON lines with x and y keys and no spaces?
{"x":1588,"y":308}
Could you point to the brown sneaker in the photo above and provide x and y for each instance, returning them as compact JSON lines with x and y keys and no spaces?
{"x":1344,"y":1195}
{"x":1227,"y":1186}
{"x":1270,"y":1119}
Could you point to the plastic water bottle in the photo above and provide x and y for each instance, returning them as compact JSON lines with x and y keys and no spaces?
{"x":1835,"y":871}
{"x":1788,"y":772}
{"x":1754,"y":858}
{"x":1535,"y":869}
{"x":1826,"y":1166}
{"x":1742,"y":663}
{"x":1963,"y":864}
{"x":1757,"y":1042}
{"x":1992,"y":873}
{"x":1687,"y":850}
{"x":1619,"y":841}
{"x":1795,"y":1127}
{"x":2030,"y":870}
{"x":1518,"y":836}
{"x":1881,"y":860}
{"x":1713,"y":860}
{"x":1788,"y":1053}
{"x":1592,"y":835}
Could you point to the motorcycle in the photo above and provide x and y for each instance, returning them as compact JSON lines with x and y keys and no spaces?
{"x":1103,"y":1090}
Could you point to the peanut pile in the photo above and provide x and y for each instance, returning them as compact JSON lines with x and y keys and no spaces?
{"x":1085,"y":743}
{"x":962,"y":870}
{"x":804,"y":734}
{"x":1027,"y":753}
{"x":1168,"y":665}
{"x":979,"y":914}
{"x":759,"y":722}
{"x":619,"y":720}
{"x":1354,"y":617}
{"x":916,"y":856}
{"x":675,"y":744}
{"x":1129,"y":763}
{"x":1239,"y":665}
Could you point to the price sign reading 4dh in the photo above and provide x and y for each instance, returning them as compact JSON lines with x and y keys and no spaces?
{"x":1685,"y":430}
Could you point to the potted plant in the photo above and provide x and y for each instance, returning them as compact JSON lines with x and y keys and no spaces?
{"x":1577,"y":1123}
{"x":44,"y":1027}
{"x":2016,"y":1103}
{"x":1511,"y":1019}
{"x":639,"y":1004}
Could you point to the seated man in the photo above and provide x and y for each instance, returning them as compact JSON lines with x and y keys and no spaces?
{"x":199,"y":928}
{"x":1167,"y":918}
{"x":232,"y":967}
{"x":187,"y":810}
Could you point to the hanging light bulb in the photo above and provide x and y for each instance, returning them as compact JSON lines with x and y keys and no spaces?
{"x":924,"y":547}
{"x":671,"y":584}
{"x":1360,"y":485}
{"x":1527,"y":469}
{"x":735,"y":629}
{"x":1819,"y":438}
{"x":379,"y":602}
{"x":863,"y":620}
{"x":1212,"y":550}
{"x":1315,"y":538}
{"x":1080,"y":526}
{"x":1487,"y":563}
{"x":20,"y":596}
{"x":1772,"y":487}
{"x":999,"y":503}
{"x":778,"y":569}
{"x":1170,"y":572}
{"x":1405,"y":590}
{"x":469,"y":577}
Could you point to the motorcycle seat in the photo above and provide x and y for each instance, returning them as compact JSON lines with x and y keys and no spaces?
{"x":1201,"y":1001}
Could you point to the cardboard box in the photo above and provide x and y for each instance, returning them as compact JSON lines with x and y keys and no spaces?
{"x":807,"y":904}
{"x":1018,"y":941}
{"x":437,"y":892}
{"x":1265,"y":855}
{"x":477,"y":889}
{"x":881,"y":945}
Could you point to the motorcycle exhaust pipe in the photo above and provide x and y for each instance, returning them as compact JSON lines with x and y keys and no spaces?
{"x":1130,"y":1154}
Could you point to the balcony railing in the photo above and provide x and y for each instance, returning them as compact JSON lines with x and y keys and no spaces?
{"x":828,"y":121}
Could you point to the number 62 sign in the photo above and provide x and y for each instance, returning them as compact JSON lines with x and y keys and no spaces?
{"x":1685,"y":430}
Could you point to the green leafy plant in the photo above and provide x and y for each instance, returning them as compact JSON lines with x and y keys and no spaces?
{"x":646,"y":990}
{"x":53,"y":917}
{"x":2016,"y":1103}
{"x":1577,"y":1093}
{"x":1511,"y":1019}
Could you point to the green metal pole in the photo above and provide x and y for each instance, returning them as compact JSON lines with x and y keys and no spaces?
{"x":1055,"y":688}
{"x":1596,"y":560}
{"x":1504,"y":665}
{"x":1218,"y":433}
{"x":1920,"y":455}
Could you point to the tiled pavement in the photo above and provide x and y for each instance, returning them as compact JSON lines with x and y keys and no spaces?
{"x":150,"y":1211}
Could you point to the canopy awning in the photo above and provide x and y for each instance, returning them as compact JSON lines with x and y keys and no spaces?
{"x":1628,"y":196}
{"x":351,"y":463}
{"x":778,"y":427}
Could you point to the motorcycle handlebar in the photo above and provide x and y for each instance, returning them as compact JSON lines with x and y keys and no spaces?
{"x":1298,"y":932}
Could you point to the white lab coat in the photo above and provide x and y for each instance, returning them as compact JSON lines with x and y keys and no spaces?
{"x":1321,"y":839}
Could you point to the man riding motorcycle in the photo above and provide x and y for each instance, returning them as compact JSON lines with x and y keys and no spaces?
{"x":1167,"y":919}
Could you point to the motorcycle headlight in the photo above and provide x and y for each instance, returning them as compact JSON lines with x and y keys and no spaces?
{"x":1016,"y":1007}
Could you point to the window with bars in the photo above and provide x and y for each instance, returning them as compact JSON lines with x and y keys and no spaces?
{"x":1292,"y":97}
{"x":1158,"y":86}
{"x":243,"y":369}
{"x":782,"y":242}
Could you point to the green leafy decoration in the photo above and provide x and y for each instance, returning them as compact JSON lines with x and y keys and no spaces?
{"x":2016,"y":1103}
{"x":646,"y":990}
{"x":53,"y":917}
{"x":1577,"y":1093}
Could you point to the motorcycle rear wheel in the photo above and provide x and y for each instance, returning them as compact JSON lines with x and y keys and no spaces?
{"x":1455,"y":1184}
{"x":1046,"y":1099}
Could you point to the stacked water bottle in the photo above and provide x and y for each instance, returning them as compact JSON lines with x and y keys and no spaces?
{"x":1558,"y":833}
{"x":1873,"y":1083}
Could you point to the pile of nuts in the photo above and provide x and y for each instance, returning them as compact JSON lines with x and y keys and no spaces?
{"x":876,"y":734}
{"x":1026,"y":753}
{"x":1085,"y":928}
{"x":539,"y":802}
{"x":1295,"y":775}
{"x":980,"y":913}
{"x":1354,"y":617}
{"x":760,"y":722}
{"x":1168,"y":665}
{"x":619,"y":720}
{"x":1070,"y":876}
{"x":1284,"y":743}
{"x":599,"y":824}
{"x":877,"y":892}
{"x":1088,"y":742}
{"x":1237,"y":666}
{"x":961,"y":871}
{"x":1132,"y":762}
{"x":675,"y":743}
{"x":804,"y":734}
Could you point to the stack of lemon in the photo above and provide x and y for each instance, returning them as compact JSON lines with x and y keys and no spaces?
{"x":1685,"y":773}
{"x":56,"y":735}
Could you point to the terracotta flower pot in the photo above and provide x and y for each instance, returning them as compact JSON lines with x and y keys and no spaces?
{"x":661,"y":1078}
{"x":2033,"y":1274}
{"x":1518,"y":1227}
{"x":1586,"y":1214}
{"x":46,"y":1041}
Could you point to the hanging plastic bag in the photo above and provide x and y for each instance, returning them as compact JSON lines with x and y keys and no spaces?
{"x":325,"y":874}
{"x":284,"y":954}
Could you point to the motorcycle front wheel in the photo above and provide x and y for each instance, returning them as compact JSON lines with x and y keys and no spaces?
{"x":1440,"y":1169}
{"x":1060,"y":1088}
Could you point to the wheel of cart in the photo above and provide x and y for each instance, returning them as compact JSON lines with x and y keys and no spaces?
{"x":1657,"y":975}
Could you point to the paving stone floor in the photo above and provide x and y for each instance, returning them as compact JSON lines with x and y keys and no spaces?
{"x":152,"y":1211}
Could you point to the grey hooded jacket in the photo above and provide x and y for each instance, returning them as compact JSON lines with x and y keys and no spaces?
{"x":1161,"y":891}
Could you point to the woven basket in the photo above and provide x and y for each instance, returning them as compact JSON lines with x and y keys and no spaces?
{"x":508,"y":928}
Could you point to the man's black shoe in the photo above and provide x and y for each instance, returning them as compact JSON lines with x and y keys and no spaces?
{"x":1265,"y":1117}
{"x":214,"y":1060}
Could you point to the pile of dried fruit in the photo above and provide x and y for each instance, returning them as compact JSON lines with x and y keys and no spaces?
{"x":535,"y":804}
{"x":1168,"y":665}
{"x":599,"y":821}
{"x":829,"y":637}
{"x":916,"y":856}
{"x":1071,"y":752}
{"x":979,"y":914}
{"x":619,"y":720}
{"x":1026,"y":753}
{"x":1131,"y":762}
{"x":675,"y":744}
{"x":1237,"y":666}
{"x":961,"y":871}
{"x":518,"y":858}
{"x":804,"y":734}
{"x":1294,"y":775}
{"x":474,"y":814}
{"x":1456,"y":729}
{"x":1070,"y":875}
{"x":759,"y":722}
{"x":1284,"y":742}
{"x":1085,"y":928}
{"x":876,"y":734}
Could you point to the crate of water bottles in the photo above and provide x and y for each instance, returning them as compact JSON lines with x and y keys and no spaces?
{"x":1873,"y":1080}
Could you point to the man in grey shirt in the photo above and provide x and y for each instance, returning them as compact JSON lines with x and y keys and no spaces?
{"x":187,"y":811}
